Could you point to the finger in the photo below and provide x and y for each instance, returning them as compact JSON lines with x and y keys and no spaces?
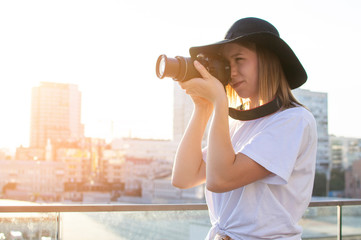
{"x":183,"y":85}
{"x":189,"y":83}
{"x":201,"y":69}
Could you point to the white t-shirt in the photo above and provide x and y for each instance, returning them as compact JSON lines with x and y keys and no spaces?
{"x":285,"y":144}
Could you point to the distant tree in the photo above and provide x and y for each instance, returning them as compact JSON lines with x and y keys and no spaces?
{"x":9,"y":186}
{"x":319,"y":186}
{"x":337,"y":182}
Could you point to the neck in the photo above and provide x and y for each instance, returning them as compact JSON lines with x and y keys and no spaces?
{"x":248,"y":104}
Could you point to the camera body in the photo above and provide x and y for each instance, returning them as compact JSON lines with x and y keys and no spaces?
{"x":182,"y":68}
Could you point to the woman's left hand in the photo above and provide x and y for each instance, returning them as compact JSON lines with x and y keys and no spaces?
{"x":207,"y":87}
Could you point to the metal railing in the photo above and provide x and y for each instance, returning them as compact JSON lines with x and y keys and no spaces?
{"x":63,"y":208}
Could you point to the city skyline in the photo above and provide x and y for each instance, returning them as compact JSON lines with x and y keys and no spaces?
{"x":109,"y":50}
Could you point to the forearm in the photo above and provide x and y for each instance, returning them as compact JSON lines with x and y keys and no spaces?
{"x":221,"y":155}
{"x":187,"y":169}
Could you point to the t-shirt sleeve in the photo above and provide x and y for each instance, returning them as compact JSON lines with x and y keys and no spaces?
{"x":277,"y":146}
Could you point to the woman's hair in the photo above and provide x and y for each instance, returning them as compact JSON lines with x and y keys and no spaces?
{"x":272,"y":80}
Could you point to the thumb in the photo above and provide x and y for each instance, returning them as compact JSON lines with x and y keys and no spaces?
{"x":201,"y":69}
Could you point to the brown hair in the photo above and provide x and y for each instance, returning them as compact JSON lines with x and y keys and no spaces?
{"x":272,"y":80}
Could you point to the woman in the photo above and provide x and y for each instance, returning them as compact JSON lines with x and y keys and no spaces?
{"x":258,"y":169}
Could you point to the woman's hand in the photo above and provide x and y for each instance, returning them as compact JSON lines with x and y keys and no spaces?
{"x":206,"y":90}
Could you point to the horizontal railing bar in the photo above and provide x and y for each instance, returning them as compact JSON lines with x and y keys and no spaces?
{"x":103,"y":207}
{"x":139,"y":207}
{"x":330,"y":203}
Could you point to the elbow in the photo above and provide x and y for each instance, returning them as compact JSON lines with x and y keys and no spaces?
{"x":218,"y":185}
{"x":178,"y":184}
{"x":214,"y":186}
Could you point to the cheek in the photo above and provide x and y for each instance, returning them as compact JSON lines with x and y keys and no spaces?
{"x":255,"y":73}
{"x":251,"y":71}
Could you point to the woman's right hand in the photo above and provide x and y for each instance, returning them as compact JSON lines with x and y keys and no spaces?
{"x":205,"y":90}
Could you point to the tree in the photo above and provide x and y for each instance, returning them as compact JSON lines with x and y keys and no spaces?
{"x":9,"y":186}
{"x":319,"y":186}
{"x":337,"y":182}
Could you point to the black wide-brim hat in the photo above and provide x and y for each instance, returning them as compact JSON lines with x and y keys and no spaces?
{"x":264,"y":34}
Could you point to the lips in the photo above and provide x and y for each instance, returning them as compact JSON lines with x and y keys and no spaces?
{"x":237,"y":84}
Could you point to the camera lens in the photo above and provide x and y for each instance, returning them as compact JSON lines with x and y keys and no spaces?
{"x":161,"y":66}
{"x":178,"y":68}
{"x":167,"y":67}
{"x":182,"y":69}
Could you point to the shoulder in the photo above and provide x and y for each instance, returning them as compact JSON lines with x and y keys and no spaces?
{"x":297,"y":119}
{"x":283,"y":120}
{"x":295,"y":113}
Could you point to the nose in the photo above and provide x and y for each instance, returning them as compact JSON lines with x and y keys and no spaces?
{"x":234,"y":71}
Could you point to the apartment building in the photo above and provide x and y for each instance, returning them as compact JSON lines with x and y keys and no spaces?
{"x":32,"y":180}
{"x":55,"y":114}
{"x":317,"y":103}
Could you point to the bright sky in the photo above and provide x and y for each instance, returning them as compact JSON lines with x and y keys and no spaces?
{"x":109,"y":49}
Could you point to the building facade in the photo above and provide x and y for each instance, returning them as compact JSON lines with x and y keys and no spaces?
{"x":146,"y":148}
{"x":55,"y":114}
{"x":344,"y":151}
{"x":317,"y":103}
{"x":32,"y":180}
{"x":353,"y":180}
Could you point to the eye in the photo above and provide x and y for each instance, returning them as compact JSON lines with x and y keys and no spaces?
{"x":238,"y":59}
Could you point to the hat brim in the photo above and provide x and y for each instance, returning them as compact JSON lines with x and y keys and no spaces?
{"x":292,"y":67}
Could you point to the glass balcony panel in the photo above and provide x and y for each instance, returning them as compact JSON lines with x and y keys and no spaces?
{"x":154,"y":222}
{"x":351,"y":222}
{"x":42,"y":226}
{"x":175,"y":225}
{"x":319,"y":223}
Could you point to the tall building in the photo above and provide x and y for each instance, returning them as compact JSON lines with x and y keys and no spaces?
{"x":317,"y":103}
{"x":55,"y":114}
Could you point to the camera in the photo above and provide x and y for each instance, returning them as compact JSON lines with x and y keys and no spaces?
{"x":182,"y":68}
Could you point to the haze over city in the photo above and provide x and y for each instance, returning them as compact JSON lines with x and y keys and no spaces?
{"x":109,"y":49}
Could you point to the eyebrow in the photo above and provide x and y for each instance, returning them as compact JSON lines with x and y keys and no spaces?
{"x":236,"y":54}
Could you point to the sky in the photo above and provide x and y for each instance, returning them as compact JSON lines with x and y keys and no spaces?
{"x":109,"y":49}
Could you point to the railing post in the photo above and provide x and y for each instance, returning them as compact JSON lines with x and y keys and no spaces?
{"x":58,"y":226}
{"x":339,"y":222}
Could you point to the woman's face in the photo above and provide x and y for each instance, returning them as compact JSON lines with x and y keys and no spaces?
{"x":244,"y":70}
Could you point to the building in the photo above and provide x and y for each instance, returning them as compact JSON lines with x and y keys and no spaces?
{"x":317,"y":103}
{"x":5,"y":154}
{"x":112,"y":166}
{"x":23,"y":153}
{"x":77,"y":165}
{"x":353,"y":180}
{"x":146,"y":148}
{"x":344,"y":151}
{"x":32,"y":180}
{"x":55,"y":114}
{"x":162,"y":190}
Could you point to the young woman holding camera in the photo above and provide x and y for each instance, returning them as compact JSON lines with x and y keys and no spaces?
{"x":258,"y":170}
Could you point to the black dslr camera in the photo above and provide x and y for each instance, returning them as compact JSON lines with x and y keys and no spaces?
{"x":182,"y":69}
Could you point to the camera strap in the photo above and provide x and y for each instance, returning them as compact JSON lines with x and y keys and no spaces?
{"x":254,"y":113}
